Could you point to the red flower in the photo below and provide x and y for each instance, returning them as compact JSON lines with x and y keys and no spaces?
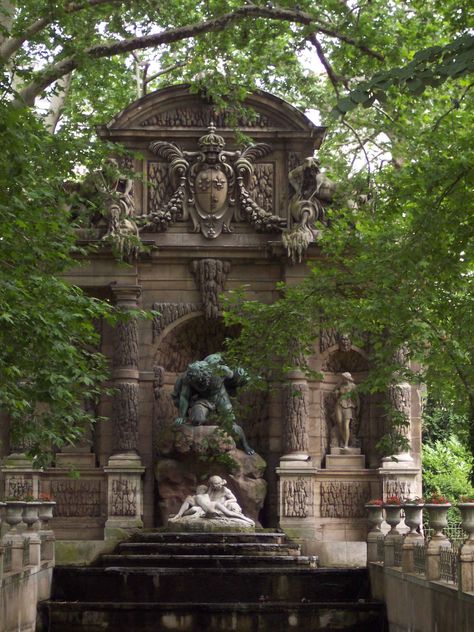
{"x":393,"y":500}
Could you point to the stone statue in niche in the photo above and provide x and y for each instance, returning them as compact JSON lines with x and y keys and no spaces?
{"x":211,"y":187}
{"x":204,"y":388}
{"x":213,"y":502}
{"x":310,"y":188}
{"x":346,"y":408}
{"x":122,"y":230}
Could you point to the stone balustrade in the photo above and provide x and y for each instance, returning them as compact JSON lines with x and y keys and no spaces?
{"x":26,"y":562}
{"x":426,"y":582}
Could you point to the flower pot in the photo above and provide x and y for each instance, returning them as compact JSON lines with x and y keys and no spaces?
{"x":413,"y":516}
{"x":30,"y":513}
{"x":45,"y":512}
{"x":438,"y":514}
{"x":467,"y":517}
{"x":392,"y":517}
{"x":374,"y":517}
{"x":14,"y":512}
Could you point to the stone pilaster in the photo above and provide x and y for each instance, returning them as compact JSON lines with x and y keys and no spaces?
{"x":125,"y":372}
{"x":125,"y":470}
{"x":295,"y":437}
{"x":296,"y":488}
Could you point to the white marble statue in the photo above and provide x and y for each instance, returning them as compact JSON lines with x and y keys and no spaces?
{"x":213,"y":501}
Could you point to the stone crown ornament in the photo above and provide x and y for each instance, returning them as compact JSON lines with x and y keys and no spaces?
{"x":211,"y":187}
{"x":211,"y":141}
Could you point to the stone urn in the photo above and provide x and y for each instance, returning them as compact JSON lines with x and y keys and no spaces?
{"x":30,"y":513}
{"x":374,"y":517}
{"x":438,"y":518}
{"x":392,"y":517}
{"x":45,"y":512}
{"x":413,"y":516}
{"x":14,"y":514}
{"x":467,"y":519}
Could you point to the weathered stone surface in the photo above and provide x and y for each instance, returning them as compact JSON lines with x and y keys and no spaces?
{"x":196,"y":452}
{"x":199,"y":439}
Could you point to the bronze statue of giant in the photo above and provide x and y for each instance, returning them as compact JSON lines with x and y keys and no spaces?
{"x":204,"y":388}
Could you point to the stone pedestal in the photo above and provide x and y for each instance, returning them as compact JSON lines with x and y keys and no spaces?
{"x":399,"y":478}
{"x":345,"y":459}
{"x":124,"y":494}
{"x":466,"y":567}
{"x":391,"y":540}
{"x":296,"y":500}
{"x":20,"y":477}
{"x":373,"y":539}
{"x":410,"y":541}
{"x":77,"y":458}
{"x":296,"y":472}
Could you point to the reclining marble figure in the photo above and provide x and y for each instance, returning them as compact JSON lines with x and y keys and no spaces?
{"x":204,"y":387}
{"x":213,"y":501}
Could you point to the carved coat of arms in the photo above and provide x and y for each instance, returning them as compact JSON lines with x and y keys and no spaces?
{"x":211,"y":187}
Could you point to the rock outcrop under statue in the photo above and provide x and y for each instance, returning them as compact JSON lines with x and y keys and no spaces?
{"x":188,"y":454}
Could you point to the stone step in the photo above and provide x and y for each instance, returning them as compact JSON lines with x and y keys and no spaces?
{"x":274,"y":537}
{"x":207,"y":548}
{"x":206,"y":560}
{"x":279,"y":584}
{"x":212,"y":617}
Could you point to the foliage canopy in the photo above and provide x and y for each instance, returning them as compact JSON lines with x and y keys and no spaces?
{"x":400,"y":265}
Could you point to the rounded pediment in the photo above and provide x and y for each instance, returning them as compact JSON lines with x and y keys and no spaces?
{"x":176,"y":107}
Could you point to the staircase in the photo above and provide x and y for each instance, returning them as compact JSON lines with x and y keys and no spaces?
{"x":209,"y":582}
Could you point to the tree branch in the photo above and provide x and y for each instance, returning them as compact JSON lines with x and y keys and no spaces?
{"x":12,"y":44}
{"x":54,"y":71}
{"x":334,"y":78}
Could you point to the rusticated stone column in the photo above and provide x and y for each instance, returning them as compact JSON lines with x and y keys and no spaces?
{"x":296,"y":440}
{"x":124,"y":470}
{"x":296,"y":487}
{"x":125,"y":372}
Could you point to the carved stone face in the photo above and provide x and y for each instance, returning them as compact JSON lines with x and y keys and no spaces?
{"x":344,"y":342}
{"x":216,"y":482}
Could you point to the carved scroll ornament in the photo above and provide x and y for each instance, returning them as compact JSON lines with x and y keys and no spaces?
{"x":210,"y":187}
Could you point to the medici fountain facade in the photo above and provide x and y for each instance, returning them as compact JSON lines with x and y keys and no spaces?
{"x":215,"y":214}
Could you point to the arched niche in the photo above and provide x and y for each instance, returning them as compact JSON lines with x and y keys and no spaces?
{"x":191,"y":338}
{"x":336,"y":360}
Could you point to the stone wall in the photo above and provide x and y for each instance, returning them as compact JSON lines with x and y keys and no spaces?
{"x":415,"y":604}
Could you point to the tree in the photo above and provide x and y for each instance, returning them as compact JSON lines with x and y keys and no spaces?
{"x":91,"y":57}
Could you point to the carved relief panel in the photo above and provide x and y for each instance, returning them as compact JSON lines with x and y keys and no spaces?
{"x":344,"y":499}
